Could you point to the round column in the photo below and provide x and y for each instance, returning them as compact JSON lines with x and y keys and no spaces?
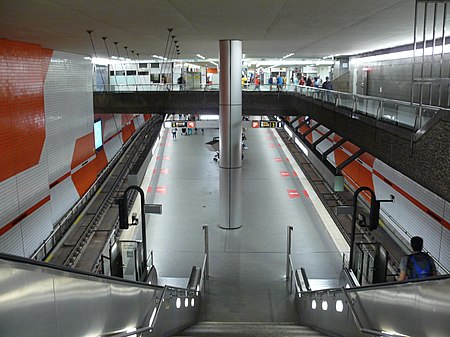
{"x":230,"y":133}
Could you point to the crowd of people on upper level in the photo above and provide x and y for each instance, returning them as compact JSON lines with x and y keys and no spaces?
{"x":279,"y":82}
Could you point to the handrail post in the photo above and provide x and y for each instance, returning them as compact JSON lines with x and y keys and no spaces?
{"x":355,"y":208}
{"x":288,"y":251}
{"x":205,"y":230}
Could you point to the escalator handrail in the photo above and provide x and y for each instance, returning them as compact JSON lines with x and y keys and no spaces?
{"x":382,"y":285}
{"x":77,"y":272}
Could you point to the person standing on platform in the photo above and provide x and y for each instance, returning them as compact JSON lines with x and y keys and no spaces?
{"x":296,"y":83}
{"x":418,"y":264}
{"x":174,"y":133}
{"x":279,"y":83}
{"x":257,"y":83}
{"x":327,"y":84}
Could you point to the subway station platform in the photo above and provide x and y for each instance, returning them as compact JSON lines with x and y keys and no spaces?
{"x":247,"y":265}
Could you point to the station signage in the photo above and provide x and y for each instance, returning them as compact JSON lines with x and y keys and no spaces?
{"x":267,"y":124}
{"x":179,"y":124}
{"x":183,"y":124}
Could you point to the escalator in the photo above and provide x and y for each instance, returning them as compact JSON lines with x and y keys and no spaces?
{"x":409,"y":308}
{"x":38,"y":299}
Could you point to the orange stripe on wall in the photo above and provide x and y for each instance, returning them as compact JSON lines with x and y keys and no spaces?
{"x":83,"y":150}
{"x":22,"y":216}
{"x":127,"y":131}
{"x":56,"y":182}
{"x":86,"y":175}
{"x":23,"y":68}
{"x":414,"y":201}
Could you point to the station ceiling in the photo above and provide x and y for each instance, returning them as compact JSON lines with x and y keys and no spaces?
{"x":268,"y":28}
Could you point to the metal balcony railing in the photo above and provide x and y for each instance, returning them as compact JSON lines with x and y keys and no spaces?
{"x":400,"y":113}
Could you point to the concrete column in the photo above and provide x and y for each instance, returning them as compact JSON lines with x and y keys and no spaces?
{"x":230,"y":133}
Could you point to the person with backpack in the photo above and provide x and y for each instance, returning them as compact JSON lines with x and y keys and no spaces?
{"x":418,"y":264}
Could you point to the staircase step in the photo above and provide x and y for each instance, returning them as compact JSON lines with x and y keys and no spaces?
{"x":248,"y":329}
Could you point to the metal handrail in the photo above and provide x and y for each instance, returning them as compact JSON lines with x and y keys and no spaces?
{"x":413,"y":120}
{"x":204,"y":276}
{"x":358,"y":320}
{"x":356,"y":317}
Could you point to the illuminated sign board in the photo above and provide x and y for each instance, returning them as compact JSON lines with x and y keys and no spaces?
{"x":183,"y":124}
{"x":179,"y":124}
{"x":267,"y":124}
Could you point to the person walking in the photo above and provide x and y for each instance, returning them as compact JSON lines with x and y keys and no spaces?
{"x":418,"y":264}
{"x":174,"y":133}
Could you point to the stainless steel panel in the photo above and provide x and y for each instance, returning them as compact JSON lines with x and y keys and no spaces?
{"x":230,"y":81}
{"x":236,"y":73}
{"x":224,"y":74}
{"x":230,"y":121}
{"x":42,"y":301}
{"x":230,"y":137}
{"x":230,"y":198}
{"x":171,"y":319}
{"x":27,"y":305}
{"x":413,"y":309}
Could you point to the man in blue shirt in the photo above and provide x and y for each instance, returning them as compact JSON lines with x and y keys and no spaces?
{"x":279,"y":83}
{"x":418,"y":264}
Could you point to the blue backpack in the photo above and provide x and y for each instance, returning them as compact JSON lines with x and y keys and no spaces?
{"x":417,"y":271}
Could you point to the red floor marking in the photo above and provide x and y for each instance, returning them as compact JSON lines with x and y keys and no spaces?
{"x":269,"y":138}
{"x":158,"y":158}
{"x":166,"y":157}
{"x":161,"y":189}
{"x":305,"y":193}
{"x":150,"y":189}
{"x":154,"y":171}
{"x":169,"y":143}
{"x":165,"y":171}
{"x":278,"y":160}
{"x":287,"y":159}
{"x":284,"y":173}
{"x":295,"y":174}
{"x":293,"y":194}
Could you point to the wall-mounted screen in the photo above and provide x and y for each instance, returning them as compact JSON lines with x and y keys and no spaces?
{"x":98,"y":139}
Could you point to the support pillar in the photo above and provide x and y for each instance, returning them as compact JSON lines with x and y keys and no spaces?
{"x":230,"y":133}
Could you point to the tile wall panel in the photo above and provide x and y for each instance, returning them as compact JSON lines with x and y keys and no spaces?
{"x":51,"y":110}
{"x":69,"y":112}
{"x":11,"y":242}
{"x":408,"y":219}
{"x":9,"y":201}
{"x":33,"y":184}
{"x":36,"y":228}
{"x":63,"y":196}
{"x":418,"y":192}
{"x":445,"y":248}
{"x":138,"y":121}
{"x":112,"y":147}
{"x":111,"y":127}
{"x":22,"y":69}
{"x":325,"y":145}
